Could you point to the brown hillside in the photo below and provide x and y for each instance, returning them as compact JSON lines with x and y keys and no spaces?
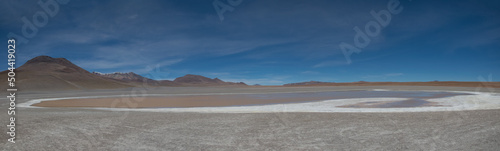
{"x":47,"y":73}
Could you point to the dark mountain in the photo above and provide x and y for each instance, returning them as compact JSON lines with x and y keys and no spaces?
{"x":47,"y":73}
{"x":197,"y":79}
{"x":191,"y":79}
{"x":308,"y":83}
{"x":129,"y":77}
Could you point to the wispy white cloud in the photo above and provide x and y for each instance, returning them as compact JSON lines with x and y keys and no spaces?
{"x":394,"y":74}
{"x":383,"y":76}
{"x":331,"y":63}
{"x":219,"y":73}
{"x":133,"y":16}
{"x":109,"y":64}
{"x":310,"y":72}
{"x":101,"y":64}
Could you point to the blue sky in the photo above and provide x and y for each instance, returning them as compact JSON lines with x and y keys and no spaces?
{"x":267,"y":42}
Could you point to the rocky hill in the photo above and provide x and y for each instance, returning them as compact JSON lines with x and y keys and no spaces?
{"x":129,"y":77}
{"x":190,"y":79}
{"x":47,"y":73}
{"x":308,"y":83}
{"x":44,"y":73}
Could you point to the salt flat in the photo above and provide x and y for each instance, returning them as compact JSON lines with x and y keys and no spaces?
{"x":90,"y":129}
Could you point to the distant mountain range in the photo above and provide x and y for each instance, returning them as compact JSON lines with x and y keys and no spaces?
{"x":44,"y":73}
{"x":47,"y":73}
{"x":131,"y":78}
{"x":187,"y":80}
{"x":430,"y":83}
{"x":307,"y":83}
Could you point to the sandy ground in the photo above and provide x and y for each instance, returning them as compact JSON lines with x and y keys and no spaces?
{"x":88,"y":129}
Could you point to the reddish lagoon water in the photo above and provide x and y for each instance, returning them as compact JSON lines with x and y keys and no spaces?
{"x":415,"y":99}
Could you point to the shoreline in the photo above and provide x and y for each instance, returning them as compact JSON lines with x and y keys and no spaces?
{"x":480,"y":100}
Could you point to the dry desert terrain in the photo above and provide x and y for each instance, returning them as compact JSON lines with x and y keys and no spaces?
{"x":89,"y":129}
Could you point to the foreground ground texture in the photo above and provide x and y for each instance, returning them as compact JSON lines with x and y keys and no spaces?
{"x":88,"y":129}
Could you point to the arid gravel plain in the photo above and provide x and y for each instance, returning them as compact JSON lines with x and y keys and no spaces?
{"x":90,"y":129}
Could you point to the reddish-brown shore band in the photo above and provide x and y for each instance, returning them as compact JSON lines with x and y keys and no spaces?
{"x":210,"y":101}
